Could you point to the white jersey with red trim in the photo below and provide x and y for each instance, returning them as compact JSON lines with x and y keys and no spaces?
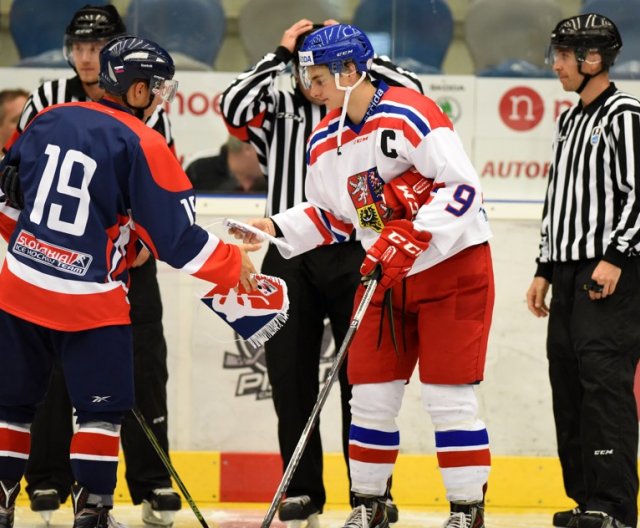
{"x":347,"y":169}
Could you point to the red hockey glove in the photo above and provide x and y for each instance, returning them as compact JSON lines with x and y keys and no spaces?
{"x":395,"y":251}
{"x":405,"y":194}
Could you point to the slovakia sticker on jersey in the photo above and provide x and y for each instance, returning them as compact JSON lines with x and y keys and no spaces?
{"x":63,"y":259}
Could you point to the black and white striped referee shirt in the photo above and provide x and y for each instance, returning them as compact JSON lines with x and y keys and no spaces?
{"x":69,"y":91}
{"x":278,"y":122}
{"x":592,"y":207}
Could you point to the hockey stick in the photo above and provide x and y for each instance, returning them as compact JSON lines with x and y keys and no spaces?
{"x":167,"y":463}
{"x":322,"y":398}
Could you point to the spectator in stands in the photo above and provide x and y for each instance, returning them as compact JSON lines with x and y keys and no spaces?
{"x":11,"y":104}
{"x":234,"y":169}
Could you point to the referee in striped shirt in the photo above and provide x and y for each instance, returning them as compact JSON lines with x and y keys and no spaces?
{"x":590,"y":242}
{"x":322,"y":282}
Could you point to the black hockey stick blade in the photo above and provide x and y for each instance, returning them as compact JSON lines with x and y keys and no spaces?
{"x":167,"y":463}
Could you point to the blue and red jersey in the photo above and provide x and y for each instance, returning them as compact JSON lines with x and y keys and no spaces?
{"x":95,"y":180}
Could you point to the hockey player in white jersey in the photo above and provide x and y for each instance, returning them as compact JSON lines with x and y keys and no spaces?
{"x":435,"y":297}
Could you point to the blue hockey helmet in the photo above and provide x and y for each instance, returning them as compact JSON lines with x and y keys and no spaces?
{"x":334,"y":46}
{"x":127,"y":59}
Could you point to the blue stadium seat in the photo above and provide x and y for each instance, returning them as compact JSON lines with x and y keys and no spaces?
{"x":262,"y":22}
{"x":38,"y":29}
{"x":508,"y":38}
{"x":416,"y":34}
{"x":626,"y":16}
{"x":191,"y":30}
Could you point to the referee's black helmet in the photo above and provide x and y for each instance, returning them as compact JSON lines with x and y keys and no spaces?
{"x":588,"y":32}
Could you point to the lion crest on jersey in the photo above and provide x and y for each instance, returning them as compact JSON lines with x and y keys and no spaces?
{"x":365,"y":191}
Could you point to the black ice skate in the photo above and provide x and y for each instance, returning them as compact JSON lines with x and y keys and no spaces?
{"x":45,"y":502}
{"x":298,"y":510}
{"x":369,"y":512}
{"x":594,"y":519}
{"x":160,"y":507}
{"x":465,"y":515}
{"x":567,"y":518}
{"x":392,"y":511}
{"x":8,"y":493}
{"x":90,"y":515}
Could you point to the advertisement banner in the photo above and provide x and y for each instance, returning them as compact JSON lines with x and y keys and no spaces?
{"x":514,"y":122}
{"x":455,"y":94}
{"x":506,"y":124}
{"x":194,"y":113}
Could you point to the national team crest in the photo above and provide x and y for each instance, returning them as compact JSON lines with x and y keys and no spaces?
{"x":365,"y":190}
{"x":254,"y":315}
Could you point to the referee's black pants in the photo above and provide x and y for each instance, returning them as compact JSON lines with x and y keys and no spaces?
{"x":321,"y":283}
{"x":48,"y":466}
{"x":593,"y":349}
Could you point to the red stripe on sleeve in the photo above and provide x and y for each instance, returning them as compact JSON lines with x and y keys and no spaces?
{"x":223,"y":266}
{"x":480,"y":457}
{"x":340,"y":225}
{"x":320,"y":226}
{"x":242,"y":132}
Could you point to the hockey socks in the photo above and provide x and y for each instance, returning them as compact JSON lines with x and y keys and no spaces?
{"x":372,"y":454}
{"x":15,"y":440}
{"x":94,"y":456}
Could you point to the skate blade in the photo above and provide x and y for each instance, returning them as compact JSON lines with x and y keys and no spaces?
{"x":46,"y":516}
{"x":157,"y":518}
{"x":310,"y":522}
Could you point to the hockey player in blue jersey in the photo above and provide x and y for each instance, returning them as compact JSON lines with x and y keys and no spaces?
{"x":95,"y":181}
{"x":48,"y":476}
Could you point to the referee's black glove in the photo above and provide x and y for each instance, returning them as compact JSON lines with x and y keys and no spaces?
{"x":10,"y":186}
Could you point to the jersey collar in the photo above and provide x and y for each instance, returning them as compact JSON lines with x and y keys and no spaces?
{"x":113,"y":104}
{"x":598,"y":101}
{"x":381,"y":88}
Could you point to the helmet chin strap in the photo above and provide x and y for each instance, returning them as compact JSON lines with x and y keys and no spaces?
{"x":343,"y":115}
{"x":586,"y":76}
